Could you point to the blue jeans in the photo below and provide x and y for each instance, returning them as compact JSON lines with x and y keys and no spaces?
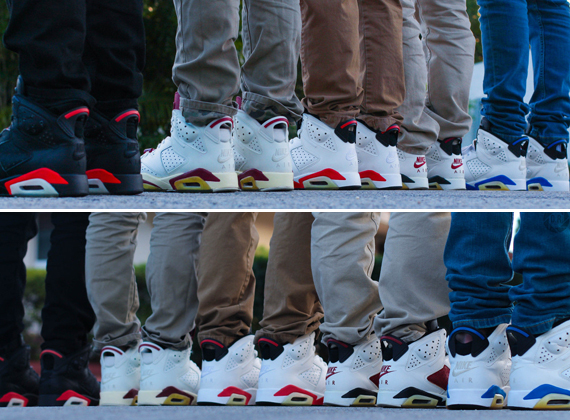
{"x":506,"y":28}
{"x":478,"y":268}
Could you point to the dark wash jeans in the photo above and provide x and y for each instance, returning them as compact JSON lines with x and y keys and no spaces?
{"x":507,"y":28}
{"x":68,"y":48}
{"x":478,"y":266}
{"x":67,"y":315}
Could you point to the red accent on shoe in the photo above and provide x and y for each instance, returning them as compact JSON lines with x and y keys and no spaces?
{"x":69,"y":394}
{"x":128,"y":114}
{"x":375,"y":379}
{"x":255,"y":173}
{"x":8,"y":397}
{"x":351,"y":122}
{"x":390,"y":338}
{"x":373,"y":175}
{"x":392,"y":127}
{"x":131,"y":394}
{"x":51,"y":352}
{"x":176,"y":104}
{"x":73,"y":113}
{"x":207,"y":340}
{"x":43,"y":173}
{"x":267,"y":340}
{"x":222,"y":120}
{"x":152,"y":346}
{"x":1,"y":359}
{"x":457,"y":163}
{"x":420,"y":161}
{"x":338,"y":342}
{"x":112,"y":349}
{"x":290,"y":389}
{"x":298,"y":185}
{"x":234,"y":390}
{"x":329,"y":173}
{"x":279,"y":120}
{"x":440,"y":378}
{"x":104,"y":176}
{"x":202,"y":173}
{"x":169,"y":390}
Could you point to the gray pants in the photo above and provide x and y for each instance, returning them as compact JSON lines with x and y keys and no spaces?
{"x":443,"y":62}
{"x":170,"y":277}
{"x":411,"y":291}
{"x":207,"y":69}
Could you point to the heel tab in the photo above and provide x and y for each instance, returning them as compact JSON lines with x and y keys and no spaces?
{"x":69,"y":121}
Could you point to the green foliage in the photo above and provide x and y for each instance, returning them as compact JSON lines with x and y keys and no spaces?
{"x":473,"y":12}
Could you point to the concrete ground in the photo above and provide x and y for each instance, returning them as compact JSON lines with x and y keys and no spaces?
{"x":266,"y":413}
{"x":363,"y":199}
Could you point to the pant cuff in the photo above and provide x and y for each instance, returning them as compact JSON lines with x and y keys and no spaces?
{"x":483,"y":323}
{"x":118,"y":342}
{"x":202,"y":113}
{"x":254,"y":104}
{"x":379,"y":123}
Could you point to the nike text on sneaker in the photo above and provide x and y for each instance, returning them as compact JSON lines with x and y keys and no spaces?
{"x":120,"y":376}
{"x":229,"y":375}
{"x":291,"y":374}
{"x":352,"y":375}
{"x":168,"y":376}
{"x":378,"y":162}
{"x":414,"y":171}
{"x":540,"y":373}
{"x":325,"y":157}
{"x":480,"y":369}
{"x":261,"y":154}
{"x":413,"y":375}
{"x":192,"y":158}
{"x":445,"y":165}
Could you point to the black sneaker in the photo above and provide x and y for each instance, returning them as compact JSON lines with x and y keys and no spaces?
{"x":18,"y":381}
{"x":67,"y":380}
{"x":113,"y":157}
{"x":42,"y":154}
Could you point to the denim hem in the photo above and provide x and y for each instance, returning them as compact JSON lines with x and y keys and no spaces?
{"x":290,"y":114}
{"x":547,"y":140}
{"x":483,"y":323}
{"x":542,"y":326}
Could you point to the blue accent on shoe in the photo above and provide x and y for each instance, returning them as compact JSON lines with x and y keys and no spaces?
{"x":470,"y":187}
{"x":539,"y":180}
{"x":492,"y":391}
{"x":471,"y":330}
{"x":510,"y":327}
{"x":555,"y":143}
{"x":544,"y":390}
{"x":519,"y":140}
{"x":447,"y":393}
{"x":500,"y":178}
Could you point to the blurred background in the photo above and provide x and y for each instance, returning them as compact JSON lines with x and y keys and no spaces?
{"x":158,"y":92}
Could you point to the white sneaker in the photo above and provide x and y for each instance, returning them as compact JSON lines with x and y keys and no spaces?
{"x":491,"y":164}
{"x":414,"y":171}
{"x":445,"y":165}
{"x":480,"y":369}
{"x":546,"y":168}
{"x":540,"y":375}
{"x":291,"y":374}
{"x":229,"y":375}
{"x":378,"y":163}
{"x":192,"y":159}
{"x":261,"y":154}
{"x":120,"y":376}
{"x":168,"y":377}
{"x":324,"y":157}
{"x":413,"y":375}
{"x":352,"y":375}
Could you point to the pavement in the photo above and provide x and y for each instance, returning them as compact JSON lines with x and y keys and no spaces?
{"x":266,"y":413}
{"x":356,"y":199}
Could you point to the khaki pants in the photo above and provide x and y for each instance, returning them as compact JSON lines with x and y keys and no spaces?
{"x":351,"y":52}
{"x":207,"y":70}
{"x":438,"y":72}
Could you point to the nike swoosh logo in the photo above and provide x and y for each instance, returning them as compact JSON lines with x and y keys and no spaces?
{"x":454,"y":166}
{"x":560,"y":168}
{"x":391,"y":158}
{"x":418,"y":166}
{"x":460,"y":372}
{"x":279,"y":155}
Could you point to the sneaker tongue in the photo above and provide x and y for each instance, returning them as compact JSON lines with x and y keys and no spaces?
{"x":146,"y":357}
{"x":213,"y":350}
{"x":279,"y":134}
{"x":339,"y":351}
{"x":109,"y":360}
{"x":225,"y":133}
{"x":520,"y":341}
{"x":467,"y":341}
